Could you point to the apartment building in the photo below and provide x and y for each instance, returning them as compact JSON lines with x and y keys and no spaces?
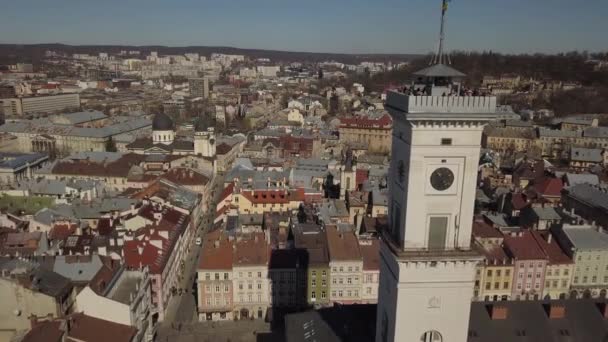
{"x":161,"y":247}
{"x":493,"y":278}
{"x":251,"y":281}
{"x":215,"y":278}
{"x":312,"y":239}
{"x":559,"y":267}
{"x":287,"y":271}
{"x":370,"y":252}
{"x":374,"y":132}
{"x":40,"y":104}
{"x":587,"y":246}
{"x":346,"y":266}
{"x":530,"y":263}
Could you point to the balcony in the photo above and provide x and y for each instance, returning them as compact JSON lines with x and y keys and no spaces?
{"x":425,"y":254}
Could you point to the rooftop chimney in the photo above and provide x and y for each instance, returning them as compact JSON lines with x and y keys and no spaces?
{"x":498,"y":311}
{"x":549,"y":238}
{"x":555,"y":311}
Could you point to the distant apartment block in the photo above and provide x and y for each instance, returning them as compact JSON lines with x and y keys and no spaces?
{"x":40,"y":104}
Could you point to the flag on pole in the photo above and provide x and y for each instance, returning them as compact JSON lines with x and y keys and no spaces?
{"x":444,"y":6}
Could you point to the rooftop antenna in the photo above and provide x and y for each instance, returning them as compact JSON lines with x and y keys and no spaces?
{"x":439,"y":58}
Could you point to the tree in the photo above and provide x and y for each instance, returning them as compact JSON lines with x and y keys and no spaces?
{"x":111,"y":145}
{"x":320,"y":74}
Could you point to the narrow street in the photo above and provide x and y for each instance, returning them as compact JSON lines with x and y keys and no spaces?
{"x":181,"y":309}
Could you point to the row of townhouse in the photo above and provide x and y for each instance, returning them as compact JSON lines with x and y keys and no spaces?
{"x":549,"y":142}
{"x":241,"y":277}
{"x":161,"y":246}
{"x":566,"y":262}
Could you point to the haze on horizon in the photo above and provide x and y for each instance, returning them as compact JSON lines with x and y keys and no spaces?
{"x":334,"y":26}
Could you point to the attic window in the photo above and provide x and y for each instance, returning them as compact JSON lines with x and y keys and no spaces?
{"x":446,"y":141}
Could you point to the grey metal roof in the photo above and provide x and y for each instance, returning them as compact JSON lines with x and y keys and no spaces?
{"x":586,"y":154}
{"x":546,"y":213}
{"x":439,"y":70}
{"x":49,"y":282}
{"x":587,"y":238}
{"x":596,"y":132}
{"x":15,"y":161}
{"x":530,"y":321}
{"x":117,"y":125}
{"x":580,"y":178}
{"x":596,"y":196}
{"x":78,"y":117}
{"x":80,"y":270}
{"x":555,"y":133}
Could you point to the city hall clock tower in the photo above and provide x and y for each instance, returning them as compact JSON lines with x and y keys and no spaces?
{"x":427,"y":265}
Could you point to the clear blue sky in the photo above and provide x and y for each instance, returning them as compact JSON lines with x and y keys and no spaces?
{"x":354,"y":26}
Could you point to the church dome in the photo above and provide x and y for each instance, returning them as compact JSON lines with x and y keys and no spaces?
{"x":200,"y":126}
{"x":162,"y":122}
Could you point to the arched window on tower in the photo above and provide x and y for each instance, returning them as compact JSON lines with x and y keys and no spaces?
{"x":431,"y":336}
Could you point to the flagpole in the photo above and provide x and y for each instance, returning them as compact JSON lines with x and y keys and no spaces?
{"x":444,"y":7}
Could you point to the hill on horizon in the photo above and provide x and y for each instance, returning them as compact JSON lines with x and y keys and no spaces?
{"x":35,"y":52}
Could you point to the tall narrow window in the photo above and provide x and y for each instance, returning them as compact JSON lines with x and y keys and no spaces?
{"x":396,"y":222}
{"x":438,"y":229}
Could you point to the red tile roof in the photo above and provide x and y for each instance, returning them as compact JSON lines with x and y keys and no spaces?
{"x":186,"y":176}
{"x":223,"y":148}
{"x":342,"y":246}
{"x":217,"y":252}
{"x":384,"y":122}
{"x":89,"y":329}
{"x":550,"y":187}
{"x":118,"y":168}
{"x":44,"y":331}
{"x":494,"y":254}
{"x":370,"y":252}
{"x":142,"y":252}
{"x":524,"y":246}
{"x":292,"y":143}
{"x":552,"y":250}
{"x":274,"y":196}
{"x":62,"y":231}
{"x":251,"y":250}
{"x":361,"y":176}
{"x":227,"y":192}
{"x":519,"y":201}
{"x":483,"y":230}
